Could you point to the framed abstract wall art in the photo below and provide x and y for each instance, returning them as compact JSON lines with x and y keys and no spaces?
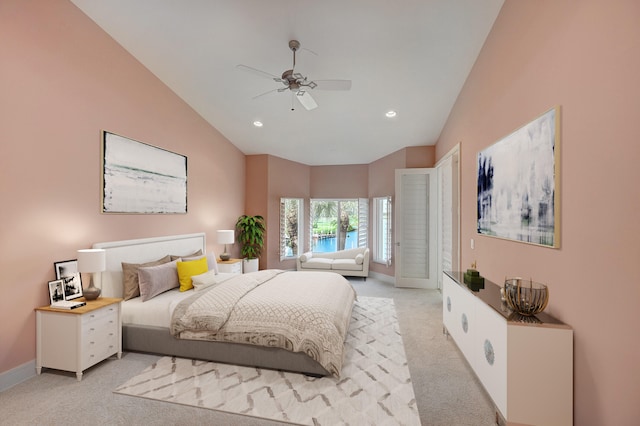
{"x":141,"y":178}
{"x":518,"y":194}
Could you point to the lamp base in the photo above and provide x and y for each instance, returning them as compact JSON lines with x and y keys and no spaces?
{"x":225,"y":256}
{"x":92,"y":292}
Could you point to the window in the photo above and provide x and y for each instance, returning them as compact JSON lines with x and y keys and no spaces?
{"x":382,"y":236}
{"x":291,"y":227}
{"x":338,"y":224}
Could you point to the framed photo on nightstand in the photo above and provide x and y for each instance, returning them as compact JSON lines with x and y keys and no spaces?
{"x":56,"y":291}
{"x":67,"y":271}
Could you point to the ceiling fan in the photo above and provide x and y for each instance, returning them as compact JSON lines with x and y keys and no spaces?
{"x":298,"y":84}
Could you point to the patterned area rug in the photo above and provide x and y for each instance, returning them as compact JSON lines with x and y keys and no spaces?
{"x":374,"y":388}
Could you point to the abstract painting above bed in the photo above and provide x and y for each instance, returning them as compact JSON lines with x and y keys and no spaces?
{"x":306,"y":313}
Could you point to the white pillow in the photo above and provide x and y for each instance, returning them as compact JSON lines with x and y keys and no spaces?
{"x":157,"y":279}
{"x":209,"y":278}
{"x":359,"y":259}
{"x":305,"y":256}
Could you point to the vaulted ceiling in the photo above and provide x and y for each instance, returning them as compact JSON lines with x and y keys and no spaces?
{"x":409,"y":56}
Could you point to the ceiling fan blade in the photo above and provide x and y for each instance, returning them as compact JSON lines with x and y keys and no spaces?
{"x":333,"y":84}
{"x":265,"y":93}
{"x":306,"y":100}
{"x":258,"y":72}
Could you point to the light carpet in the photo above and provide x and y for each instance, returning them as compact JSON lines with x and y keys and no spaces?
{"x":374,"y":388}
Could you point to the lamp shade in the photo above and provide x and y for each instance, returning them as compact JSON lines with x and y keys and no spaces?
{"x":91,"y":260}
{"x":226,"y":236}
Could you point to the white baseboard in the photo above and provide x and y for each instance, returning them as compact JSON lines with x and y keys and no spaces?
{"x":23,"y":372}
{"x":382,"y":277}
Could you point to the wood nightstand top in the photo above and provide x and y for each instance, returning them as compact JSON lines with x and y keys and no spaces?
{"x":91,"y":305}
{"x":228,"y":262}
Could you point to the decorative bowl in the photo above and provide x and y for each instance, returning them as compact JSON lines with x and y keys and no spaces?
{"x":526,"y":297}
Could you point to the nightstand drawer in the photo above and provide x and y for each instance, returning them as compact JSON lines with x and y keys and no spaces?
{"x":96,"y":350}
{"x":101,"y":314}
{"x":232,"y":266}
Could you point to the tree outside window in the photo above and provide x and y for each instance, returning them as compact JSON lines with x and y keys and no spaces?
{"x":334,"y":225}
{"x":291,"y":222}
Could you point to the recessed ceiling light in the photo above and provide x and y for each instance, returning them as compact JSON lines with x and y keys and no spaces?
{"x":257,"y":123}
{"x":391,"y":113}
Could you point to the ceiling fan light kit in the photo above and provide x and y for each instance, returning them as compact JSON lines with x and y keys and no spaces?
{"x":298,"y":83}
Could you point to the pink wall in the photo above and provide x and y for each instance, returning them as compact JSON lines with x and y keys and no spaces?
{"x":286,"y":179}
{"x":347,"y":181}
{"x":62,"y":81}
{"x":585,"y":57}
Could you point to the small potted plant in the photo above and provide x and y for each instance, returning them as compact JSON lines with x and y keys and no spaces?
{"x":251,"y":231}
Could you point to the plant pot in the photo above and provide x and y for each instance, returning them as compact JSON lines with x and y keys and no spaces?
{"x":250,"y":265}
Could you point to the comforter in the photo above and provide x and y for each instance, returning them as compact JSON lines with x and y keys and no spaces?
{"x":298,"y":311}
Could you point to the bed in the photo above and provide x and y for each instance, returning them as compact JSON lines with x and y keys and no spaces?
{"x":147,"y":325}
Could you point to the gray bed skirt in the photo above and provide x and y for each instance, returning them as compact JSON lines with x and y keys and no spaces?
{"x":158,"y":340}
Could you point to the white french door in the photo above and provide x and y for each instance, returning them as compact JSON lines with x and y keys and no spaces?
{"x":415,"y":225}
{"x":449,"y":215}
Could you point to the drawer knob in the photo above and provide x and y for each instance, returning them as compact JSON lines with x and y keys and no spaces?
{"x":489,"y":354}
{"x":465,"y":323}
{"x":448,"y":304}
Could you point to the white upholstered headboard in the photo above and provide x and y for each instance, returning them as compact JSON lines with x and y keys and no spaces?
{"x":140,"y":251}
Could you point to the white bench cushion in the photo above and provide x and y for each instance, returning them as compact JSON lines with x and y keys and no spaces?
{"x":346,"y":265}
{"x":317,"y":263}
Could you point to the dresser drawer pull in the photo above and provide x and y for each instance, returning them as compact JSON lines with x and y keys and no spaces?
{"x":489,"y":353}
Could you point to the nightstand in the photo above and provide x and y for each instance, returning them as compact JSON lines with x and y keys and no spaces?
{"x":76,"y":339}
{"x":231,"y":266}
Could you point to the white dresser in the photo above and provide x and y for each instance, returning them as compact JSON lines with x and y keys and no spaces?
{"x":524,"y":363}
{"x":76,"y":339}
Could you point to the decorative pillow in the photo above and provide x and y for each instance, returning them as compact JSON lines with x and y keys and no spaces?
{"x":359,"y":259}
{"x":304,"y":257}
{"x":211,"y":260}
{"x":130,"y":283}
{"x":157,"y":279}
{"x":210,"y":278}
{"x":188,"y":269}
{"x":195,"y":253}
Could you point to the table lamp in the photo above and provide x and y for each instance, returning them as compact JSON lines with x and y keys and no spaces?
{"x":226,"y":236}
{"x":91,"y":261}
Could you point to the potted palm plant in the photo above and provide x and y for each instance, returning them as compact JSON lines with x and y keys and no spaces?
{"x":251,"y":231}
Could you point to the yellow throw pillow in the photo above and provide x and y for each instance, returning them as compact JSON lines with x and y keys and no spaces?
{"x":188,"y":269}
